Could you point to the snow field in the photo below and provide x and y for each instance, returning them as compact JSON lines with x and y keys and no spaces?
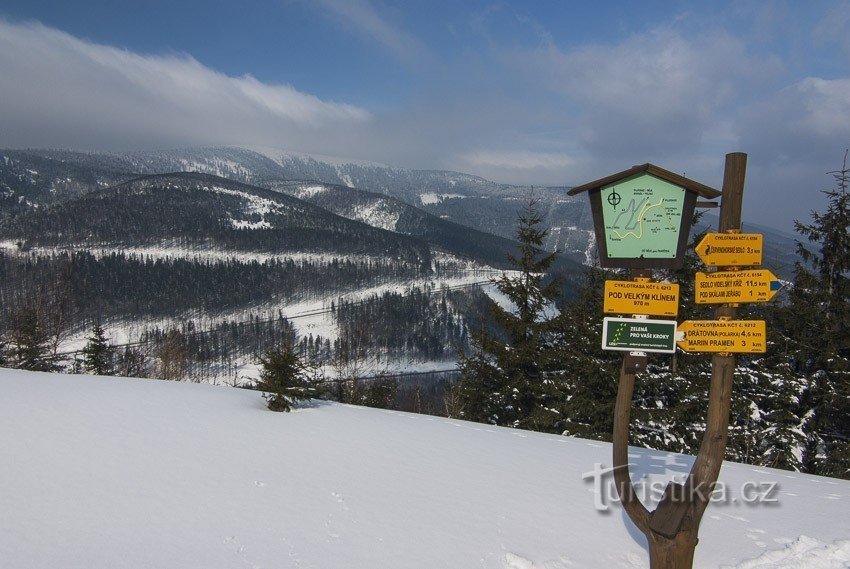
{"x":126,"y":473}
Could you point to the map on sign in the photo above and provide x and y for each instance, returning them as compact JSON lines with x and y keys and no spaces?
{"x":642,"y":216}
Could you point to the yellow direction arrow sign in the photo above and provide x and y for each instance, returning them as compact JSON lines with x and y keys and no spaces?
{"x":736,"y":336}
{"x":730,"y":249}
{"x":641,"y":297}
{"x":736,"y":286}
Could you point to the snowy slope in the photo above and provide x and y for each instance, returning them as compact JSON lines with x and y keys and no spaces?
{"x":123,"y":473}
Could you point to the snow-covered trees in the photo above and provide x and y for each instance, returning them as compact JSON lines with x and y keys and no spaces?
{"x":585,"y":387}
{"x":818,"y":321}
{"x":791,"y":407}
{"x":284,"y":378}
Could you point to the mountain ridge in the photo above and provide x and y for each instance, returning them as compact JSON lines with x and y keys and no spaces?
{"x":465,"y":199}
{"x":151,"y":208}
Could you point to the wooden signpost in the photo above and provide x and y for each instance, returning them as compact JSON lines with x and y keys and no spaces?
{"x":642,"y":218}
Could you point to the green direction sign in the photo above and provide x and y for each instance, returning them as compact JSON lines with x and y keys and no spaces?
{"x":639,"y":335}
{"x":642,"y":217}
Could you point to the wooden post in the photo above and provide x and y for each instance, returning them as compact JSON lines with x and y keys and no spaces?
{"x":672,"y":529}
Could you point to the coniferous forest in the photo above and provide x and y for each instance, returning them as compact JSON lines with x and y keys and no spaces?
{"x":374,"y":306}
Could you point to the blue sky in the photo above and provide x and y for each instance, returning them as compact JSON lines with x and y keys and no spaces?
{"x":521,"y":92}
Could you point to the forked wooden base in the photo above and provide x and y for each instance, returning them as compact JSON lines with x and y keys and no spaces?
{"x":676,"y":553}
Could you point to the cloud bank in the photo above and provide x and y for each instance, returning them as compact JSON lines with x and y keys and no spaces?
{"x":538,"y":113}
{"x":59,"y":90}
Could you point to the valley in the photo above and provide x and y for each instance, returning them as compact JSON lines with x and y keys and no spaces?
{"x":228,"y":250}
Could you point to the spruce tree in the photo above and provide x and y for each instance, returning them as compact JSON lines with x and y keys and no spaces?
{"x":29,"y":342}
{"x":586,"y":387}
{"x":817,"y":323}
{"x":380,"y":392}
{"x":284,"y":378}
{"x":780,"y":438}
{"x":502,"y":382}
{"x":97,"y":353}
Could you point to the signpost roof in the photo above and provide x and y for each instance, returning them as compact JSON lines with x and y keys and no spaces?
{"x":675,"y":179}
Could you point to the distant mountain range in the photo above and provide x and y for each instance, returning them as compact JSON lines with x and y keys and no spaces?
{"x":224,"y":243}
{"x":35,"y":178}
{"x":394,"y":199}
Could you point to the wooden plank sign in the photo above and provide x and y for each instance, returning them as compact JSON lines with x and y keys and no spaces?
{"x":730,"y":249}
{"x":639,"y":334}
{"x":736,"y":286}
{"x":733,"y":336}
{"x":641,"y":297}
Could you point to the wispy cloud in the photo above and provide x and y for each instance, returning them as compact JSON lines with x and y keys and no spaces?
{"x":61,"y":90}
{"x":361,"y":17}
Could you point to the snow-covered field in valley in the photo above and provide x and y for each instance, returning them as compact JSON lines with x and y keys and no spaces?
{"x":126,"y":473}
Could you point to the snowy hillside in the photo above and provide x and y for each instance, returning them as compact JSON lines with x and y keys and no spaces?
{"x":123,"y":473}
{"x":34,"y":178}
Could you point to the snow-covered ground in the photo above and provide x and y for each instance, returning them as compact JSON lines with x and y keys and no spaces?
{"x":430,"y":198}
{"x":126,"y":473}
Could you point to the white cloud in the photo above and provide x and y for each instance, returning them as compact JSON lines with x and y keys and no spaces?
{"x":546,"y":114}
{"x":825,"y":105}
{"x":58,"y":90}
{"x":805,"y":121}
{"x":654,"y":92}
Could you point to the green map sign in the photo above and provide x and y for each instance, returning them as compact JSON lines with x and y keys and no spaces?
{"x":639,"y":335}
{"x":642,"y":217}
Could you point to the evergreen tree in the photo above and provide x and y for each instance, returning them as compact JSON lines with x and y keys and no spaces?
{"x":380,"y":392}
{"x":780,"y":439}
{"x":284,"y":378}
{"x":29,"y":342}
{"x":97,"y":353}
{"x":502,"y":382}
{"x":816,"y":325}
{"x":585,"y":388}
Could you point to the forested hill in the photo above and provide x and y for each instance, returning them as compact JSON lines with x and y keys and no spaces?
{"x":32,"y":178}
{"x":204,"y":210}
{"x":380,"y":210}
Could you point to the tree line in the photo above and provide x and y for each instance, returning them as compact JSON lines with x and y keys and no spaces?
{"x":119,"y":284}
